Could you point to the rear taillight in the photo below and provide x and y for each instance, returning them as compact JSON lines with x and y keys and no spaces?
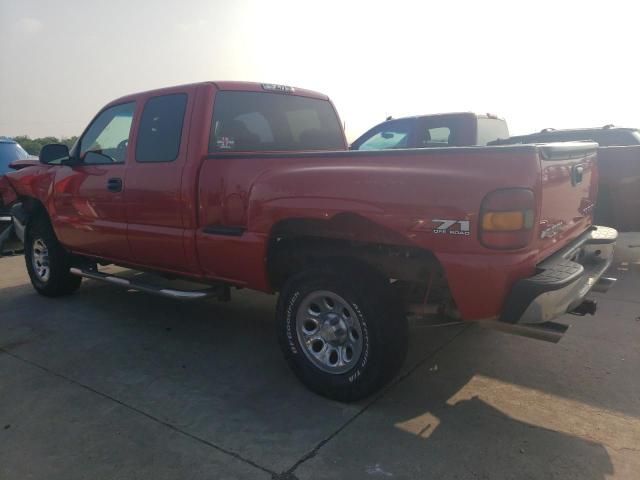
{"x":507,"y":218}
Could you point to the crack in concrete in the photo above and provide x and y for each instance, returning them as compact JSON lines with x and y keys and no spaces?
{"x":149,"y":416}
{"x":288,"y":474}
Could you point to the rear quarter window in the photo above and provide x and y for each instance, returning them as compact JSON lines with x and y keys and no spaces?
{"x":160,"y":128}
{"x":257,"y":121}
{"x":437,"y":137}
{"x":445,"y":131}
{"x":491,"y":129}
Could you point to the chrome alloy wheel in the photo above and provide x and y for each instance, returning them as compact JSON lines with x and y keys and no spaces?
{"x":329,"y":332}
{"x":40,"y":260}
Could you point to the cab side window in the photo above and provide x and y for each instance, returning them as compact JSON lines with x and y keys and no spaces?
{"x":436,"y":137}
{"x":107,"y":138}
{"x":160,"y":128}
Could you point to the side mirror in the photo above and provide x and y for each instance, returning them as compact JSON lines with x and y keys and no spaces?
{"x":52,"y":152}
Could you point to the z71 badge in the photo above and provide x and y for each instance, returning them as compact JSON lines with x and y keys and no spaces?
{"x":452,"y":227}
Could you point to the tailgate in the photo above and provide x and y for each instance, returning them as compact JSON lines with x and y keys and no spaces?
{"x":568,"y":192}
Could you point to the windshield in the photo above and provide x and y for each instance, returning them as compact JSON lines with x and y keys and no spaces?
{"x":8,"y":153}
{"x":394,"y":134}
{"x":636,"y":135}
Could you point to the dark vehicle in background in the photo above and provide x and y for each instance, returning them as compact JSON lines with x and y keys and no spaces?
{"x":10,"y":151}
{"x":607,"y":136}
{"x":439,"y":130}
{"x":618,"y":202}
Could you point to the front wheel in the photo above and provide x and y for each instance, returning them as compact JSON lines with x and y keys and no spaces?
{"x":48,"y":263}
{"x":341,"y":331}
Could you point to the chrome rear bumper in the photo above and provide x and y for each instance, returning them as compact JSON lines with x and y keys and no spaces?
{"x":564,"y":280}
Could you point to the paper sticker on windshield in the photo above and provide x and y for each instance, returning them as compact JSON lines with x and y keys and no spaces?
{"x":225,"y":143}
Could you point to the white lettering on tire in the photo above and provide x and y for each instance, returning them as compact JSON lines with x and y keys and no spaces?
{"x":288,"y":321}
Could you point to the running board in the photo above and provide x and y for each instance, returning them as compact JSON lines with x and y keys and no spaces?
{"x":163,"y":292}
{"x":547,"y":331}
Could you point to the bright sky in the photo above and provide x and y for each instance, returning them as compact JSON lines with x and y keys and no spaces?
{"x":537,"y":63}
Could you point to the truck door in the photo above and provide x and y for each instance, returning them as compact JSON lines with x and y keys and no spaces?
{"x":154,"y":195}
{"x":90,"y":214}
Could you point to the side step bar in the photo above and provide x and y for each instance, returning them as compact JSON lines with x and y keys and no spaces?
{"x":163,"y":292}
{"x":547,"y":331}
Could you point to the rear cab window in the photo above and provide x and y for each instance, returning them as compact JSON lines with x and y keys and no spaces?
{"x":263,"y":121}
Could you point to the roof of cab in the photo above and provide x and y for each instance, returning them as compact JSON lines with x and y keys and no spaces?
{"x":227,"y":85}
{"x":606,"y":128}
{"x":448,"y":114}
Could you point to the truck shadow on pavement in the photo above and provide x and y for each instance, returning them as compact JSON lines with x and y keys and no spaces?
{"x":469,"y":403}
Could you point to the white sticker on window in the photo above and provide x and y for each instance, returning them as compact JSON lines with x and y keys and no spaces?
{"x":226,"y":143}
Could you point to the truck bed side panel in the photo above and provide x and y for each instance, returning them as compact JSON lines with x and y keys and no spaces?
{"x":394,"y":197}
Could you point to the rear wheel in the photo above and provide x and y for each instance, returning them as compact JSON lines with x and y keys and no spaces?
{"x":341,"y":331}
{"x":48,"y":263}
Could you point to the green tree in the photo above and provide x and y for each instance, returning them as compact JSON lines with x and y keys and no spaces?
{"x":34,"y":145}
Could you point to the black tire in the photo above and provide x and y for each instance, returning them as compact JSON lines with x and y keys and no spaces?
{"x":58,"y":281}
{"x":383,"y":326}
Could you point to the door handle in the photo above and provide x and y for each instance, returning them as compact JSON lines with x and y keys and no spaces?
{"x":114,"y":184}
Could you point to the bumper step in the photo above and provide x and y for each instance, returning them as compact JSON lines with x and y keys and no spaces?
{"x":563,"y":281}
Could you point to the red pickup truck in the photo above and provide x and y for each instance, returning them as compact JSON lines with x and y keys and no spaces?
{"x":252,"y":185}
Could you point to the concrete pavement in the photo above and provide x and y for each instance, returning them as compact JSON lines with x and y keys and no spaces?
{"x":115,"y":384}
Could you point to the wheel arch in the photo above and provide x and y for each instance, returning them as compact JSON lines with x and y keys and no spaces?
{"x":297,"y":244}
{"x":24,"y":210}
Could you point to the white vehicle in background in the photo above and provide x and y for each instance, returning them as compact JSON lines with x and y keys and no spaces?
{"x":463,"y":129}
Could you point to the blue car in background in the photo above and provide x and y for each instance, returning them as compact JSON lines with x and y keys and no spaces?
{"x":10,"y":150}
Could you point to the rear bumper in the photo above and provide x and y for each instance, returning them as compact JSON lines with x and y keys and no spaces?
{"x":563,"y":280}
